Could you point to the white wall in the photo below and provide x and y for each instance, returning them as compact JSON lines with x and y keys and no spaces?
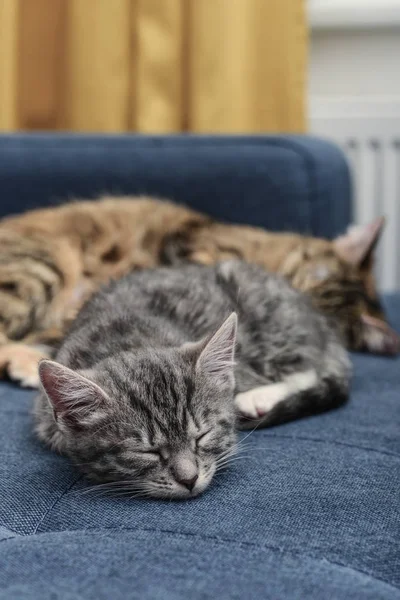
{"x":355,"y":48}
{"x":353,"y":13}
{"x":355,"y":63}
{"x":354,"y":99}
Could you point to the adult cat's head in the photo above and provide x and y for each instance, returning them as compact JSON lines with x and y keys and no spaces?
{"x":337,"y":274}
{"x":152,"y":423}
{"x":340,"y":279}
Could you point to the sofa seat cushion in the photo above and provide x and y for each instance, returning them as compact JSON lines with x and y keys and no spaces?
{"x":309,"y":509}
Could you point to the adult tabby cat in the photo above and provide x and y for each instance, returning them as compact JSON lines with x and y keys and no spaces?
{"x":147,"y":385}
{"x":53,"y":259}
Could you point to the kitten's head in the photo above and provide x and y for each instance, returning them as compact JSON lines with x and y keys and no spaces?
{"x":339,"y":277}
{"x":153,"y":423}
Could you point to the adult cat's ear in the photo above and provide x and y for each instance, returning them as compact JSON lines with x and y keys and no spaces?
{"x":72,"y":396}
{"x":378,"y":337}
{"x":358,"y":244}
{"x":217,"y":356}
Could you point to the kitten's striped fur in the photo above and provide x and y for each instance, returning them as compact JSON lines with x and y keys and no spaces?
{"x":147,"y":383}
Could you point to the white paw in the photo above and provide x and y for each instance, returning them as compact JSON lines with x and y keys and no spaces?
{"x":20,"y":363}
{"x":25,"y":380}
{"x":257,"y":402}
{"x":25,"y":372}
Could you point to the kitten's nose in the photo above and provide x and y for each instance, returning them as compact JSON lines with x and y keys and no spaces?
{"x":189,"y":483}
{"x":185,"y":470}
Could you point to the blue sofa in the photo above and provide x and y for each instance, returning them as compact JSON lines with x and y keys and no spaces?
{"x":312,"y":510}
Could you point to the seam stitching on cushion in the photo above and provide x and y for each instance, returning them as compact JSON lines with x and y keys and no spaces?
{"x":223,"y":540}
{"x":56,"y":501}
{"x":310,"y":166}
{"x":309,"y":158}
{"x":10,"y":537}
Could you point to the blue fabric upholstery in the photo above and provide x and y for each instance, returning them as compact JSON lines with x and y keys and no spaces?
{"x":292,"y":183}
{"x":312,"y":509}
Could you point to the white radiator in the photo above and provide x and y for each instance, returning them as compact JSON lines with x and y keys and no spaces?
{"x":369,"y":133}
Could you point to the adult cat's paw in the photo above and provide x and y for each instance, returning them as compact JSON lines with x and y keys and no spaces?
{"x":20,"y":363}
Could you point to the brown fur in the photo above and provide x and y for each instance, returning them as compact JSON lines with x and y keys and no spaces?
{"x":346,"y":290}
{"x":53,"y":259}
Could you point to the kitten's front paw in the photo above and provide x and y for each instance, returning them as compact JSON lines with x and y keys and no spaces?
{"x":252,"y":406}
{"x":20,"y":363}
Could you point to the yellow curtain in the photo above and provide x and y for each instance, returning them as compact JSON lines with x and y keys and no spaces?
{"x":153,"y":66}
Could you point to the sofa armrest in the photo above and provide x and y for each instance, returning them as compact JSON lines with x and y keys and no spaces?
{"x":296,"y":183}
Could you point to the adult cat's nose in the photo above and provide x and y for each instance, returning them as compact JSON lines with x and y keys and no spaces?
{"x":185,"y":471}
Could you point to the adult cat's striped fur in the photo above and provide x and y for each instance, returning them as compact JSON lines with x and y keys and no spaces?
{"x":53,"y":259}
{"x":146,"y":388}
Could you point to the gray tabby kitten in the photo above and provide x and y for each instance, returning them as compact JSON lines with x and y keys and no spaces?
{"x":148,"y":385}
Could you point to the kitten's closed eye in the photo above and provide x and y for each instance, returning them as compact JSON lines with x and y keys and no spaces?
{"x":203,"y":438}
{"x":151,"y":454}
{"x":154,"y":453}
{"x":158,"y":453}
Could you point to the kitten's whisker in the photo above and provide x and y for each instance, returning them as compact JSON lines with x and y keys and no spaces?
{"x":262,"y":448}
{"x":233,"y":450}
{"x":141,"y":494}
{"x":111,"y":486}
{"x":228,"y":460}
{"x":116,"y":482}
{"x":231,"y":456}
{"x":231,"y":460}
{"x":247,"y":445}
{"x":230,"y":452}
{"x":117,"y":494}
{"x":240,"y":442}
{"x":226,"y":465}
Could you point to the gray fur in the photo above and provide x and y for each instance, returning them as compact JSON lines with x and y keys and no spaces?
{"x":145,"y":379}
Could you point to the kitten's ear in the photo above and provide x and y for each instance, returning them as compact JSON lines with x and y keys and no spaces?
{"x":217,"y":356}
{"x":358,"y":244}
{"x":72,"y":396}
{"x":378,"y":337}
